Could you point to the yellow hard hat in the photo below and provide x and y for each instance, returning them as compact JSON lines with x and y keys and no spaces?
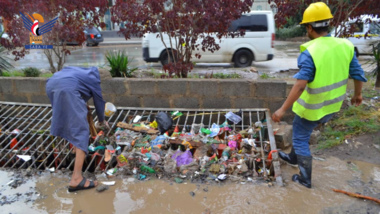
{"x":318,"y":11}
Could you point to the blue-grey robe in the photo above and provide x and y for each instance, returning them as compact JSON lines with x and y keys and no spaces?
{"x":68,"y":91}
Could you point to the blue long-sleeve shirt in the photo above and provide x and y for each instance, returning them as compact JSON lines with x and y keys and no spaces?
{"x":68,"y":91}
{"x":307,"y":68}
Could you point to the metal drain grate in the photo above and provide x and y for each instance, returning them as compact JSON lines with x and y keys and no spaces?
{"x":31,"y":123}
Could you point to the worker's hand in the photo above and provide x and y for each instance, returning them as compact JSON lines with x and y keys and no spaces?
{"x":104,"y":126}
{"x":276,"y":117}
{"x":356,"y":100}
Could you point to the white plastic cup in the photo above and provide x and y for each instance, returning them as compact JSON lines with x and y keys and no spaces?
{"x":110,"y":109}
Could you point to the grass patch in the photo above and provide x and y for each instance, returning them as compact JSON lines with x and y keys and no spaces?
{"x":21,"y":74}
{"x":350,"y":122}
{"x":158,"y":75}
{"x":13,"y":74}
{"x":265,"y":76}
{"x":193,"y":76}
{"x":47,"y":75}
{"x":369,"y":93}
{"x":225,"y":76}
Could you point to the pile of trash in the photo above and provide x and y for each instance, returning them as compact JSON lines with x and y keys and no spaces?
{"x":159,"y":149}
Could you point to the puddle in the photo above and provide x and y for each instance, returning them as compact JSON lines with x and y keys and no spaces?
{"x":131,"y":196}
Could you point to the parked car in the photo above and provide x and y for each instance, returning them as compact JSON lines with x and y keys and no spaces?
{"x":366,"y":32}
{"x":93,"y":37}
{"x":255,"y":45}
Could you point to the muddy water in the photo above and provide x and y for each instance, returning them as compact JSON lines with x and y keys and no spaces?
{"x":157,"y":196}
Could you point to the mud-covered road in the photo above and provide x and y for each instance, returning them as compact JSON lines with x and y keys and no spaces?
{"x":45,"y":192}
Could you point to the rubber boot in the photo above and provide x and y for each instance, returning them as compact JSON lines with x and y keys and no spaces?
{"x":290,"y":158}
{"x":304,"y":164}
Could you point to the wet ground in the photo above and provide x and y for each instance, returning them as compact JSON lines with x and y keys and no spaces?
{"x":45,"y":192}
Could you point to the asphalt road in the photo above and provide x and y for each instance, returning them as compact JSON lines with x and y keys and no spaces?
{"x":285,"y":58}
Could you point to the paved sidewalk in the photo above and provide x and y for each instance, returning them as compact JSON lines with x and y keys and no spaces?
{"x":120,"y":41}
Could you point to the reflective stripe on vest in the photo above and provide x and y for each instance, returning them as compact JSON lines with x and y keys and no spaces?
{"x":325,"y":94}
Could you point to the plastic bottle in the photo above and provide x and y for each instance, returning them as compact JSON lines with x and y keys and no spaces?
{"x":147,"y":169}
{"x":226,"y":153}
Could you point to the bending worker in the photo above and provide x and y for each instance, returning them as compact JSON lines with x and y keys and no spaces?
{"x":68,"y":91}
{"x":325,"y":64}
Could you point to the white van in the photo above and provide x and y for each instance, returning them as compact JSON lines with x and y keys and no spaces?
{"x":369,"y":26}
{"x":255,"y":45}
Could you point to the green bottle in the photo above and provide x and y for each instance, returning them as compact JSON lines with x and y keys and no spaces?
{"x":147,"y":169}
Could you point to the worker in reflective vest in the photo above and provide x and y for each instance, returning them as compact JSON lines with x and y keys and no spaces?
{"x":325,"y":65}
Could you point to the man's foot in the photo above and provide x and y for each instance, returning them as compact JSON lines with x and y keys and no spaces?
{"x":305,"y":166}
{"x":82,"y":185}
{"x":298,"y":179}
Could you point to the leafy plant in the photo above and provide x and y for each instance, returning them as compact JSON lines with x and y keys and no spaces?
{"x":31,"y":72}
{"x":119,"y":63}
{"x":4,"y":61}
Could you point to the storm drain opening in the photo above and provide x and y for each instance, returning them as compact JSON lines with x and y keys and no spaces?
{"x":200,"y":143}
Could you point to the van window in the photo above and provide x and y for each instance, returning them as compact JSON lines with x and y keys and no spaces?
{"x":374,"y":28}
{"x":356,"y":27}
{"x":257,"y":22}
{"x":92,"y":30}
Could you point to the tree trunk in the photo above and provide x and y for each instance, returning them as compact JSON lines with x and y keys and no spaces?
{"x":49,"y":56}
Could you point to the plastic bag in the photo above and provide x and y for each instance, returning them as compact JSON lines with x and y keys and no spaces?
{"x":214,"y":130}
{"x":164,"y":122}
{"x":233,"y":118}
{"x":183,"y":158}
{"x":158,"y":141}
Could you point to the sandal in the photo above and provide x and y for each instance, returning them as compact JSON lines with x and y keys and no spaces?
{"x":81,"y":186}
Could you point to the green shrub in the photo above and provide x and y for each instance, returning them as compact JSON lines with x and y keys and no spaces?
{"x":290,"y":32}
{"x":119,"y":63}
{"x":31,"y":72}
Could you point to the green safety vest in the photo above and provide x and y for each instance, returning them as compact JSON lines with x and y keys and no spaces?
{"x":325,"y":94}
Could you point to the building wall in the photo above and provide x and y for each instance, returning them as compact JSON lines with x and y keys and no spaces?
{"x":264,"y":5}
{"x":260,"y":5}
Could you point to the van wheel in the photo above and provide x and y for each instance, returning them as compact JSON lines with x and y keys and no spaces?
{"x":165,"y":58}
{"x":243,"y":58}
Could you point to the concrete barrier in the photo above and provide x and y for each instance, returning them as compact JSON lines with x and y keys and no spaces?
{"x":164,"y":93}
